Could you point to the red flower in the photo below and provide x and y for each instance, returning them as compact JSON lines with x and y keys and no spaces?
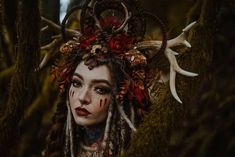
{"x":139,"y":94}
{"x":63,"y":74}
{"x":119,"y":43}
{"x":87,"y":42}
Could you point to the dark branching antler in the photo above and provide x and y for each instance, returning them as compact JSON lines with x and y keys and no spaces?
{"x":56,"y":40}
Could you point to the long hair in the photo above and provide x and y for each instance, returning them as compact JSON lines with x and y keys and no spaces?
{"x":117,"y":132}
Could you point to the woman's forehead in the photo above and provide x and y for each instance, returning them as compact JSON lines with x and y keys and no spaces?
{"x":101,"y":72}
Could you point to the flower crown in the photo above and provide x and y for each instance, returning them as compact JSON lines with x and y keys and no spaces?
{"x":100,"y":48}
{"x":105,"y":36}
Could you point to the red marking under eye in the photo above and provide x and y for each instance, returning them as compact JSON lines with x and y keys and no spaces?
{"x":101,"y":102}
{"x":105,"y":101}
{"x":72,"y":93}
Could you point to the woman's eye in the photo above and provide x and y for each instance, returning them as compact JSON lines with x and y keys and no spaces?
{"x":76,"y":83}
{"x":102,"y":90}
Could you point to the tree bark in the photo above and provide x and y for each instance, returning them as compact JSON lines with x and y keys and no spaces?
{"x":154,"y":135}
{"x":23,"y":84}
{"x":210,"y":131}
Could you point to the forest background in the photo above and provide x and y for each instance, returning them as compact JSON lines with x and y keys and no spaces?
{"x":203,"y":126}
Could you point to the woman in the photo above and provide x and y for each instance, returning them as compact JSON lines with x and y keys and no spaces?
{"x":103,"y":81}
{"x":96,"y":122}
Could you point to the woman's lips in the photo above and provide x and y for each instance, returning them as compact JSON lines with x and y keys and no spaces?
{"x":82,"y":112}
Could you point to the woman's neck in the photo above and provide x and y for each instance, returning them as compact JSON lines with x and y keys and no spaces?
{"x":93,"y":134}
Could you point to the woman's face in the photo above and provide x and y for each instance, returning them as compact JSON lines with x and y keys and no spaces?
{"x":90,"y":94}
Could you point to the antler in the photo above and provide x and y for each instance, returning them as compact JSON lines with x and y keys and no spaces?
{"x":170,"y":54}
{"x":97,"y":22}
{"x":55,"y":43}
{"x":127,"y":17}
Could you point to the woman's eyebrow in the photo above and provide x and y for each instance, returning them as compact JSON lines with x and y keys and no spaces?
{"x":78,"y":75}
{"x":101,"y":81}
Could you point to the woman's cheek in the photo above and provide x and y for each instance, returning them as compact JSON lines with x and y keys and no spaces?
{"x":101,"y":104}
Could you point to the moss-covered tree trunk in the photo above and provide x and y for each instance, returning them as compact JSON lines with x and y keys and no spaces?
{"x":154,"y":135}
{"x":24,"y":80}
{"x":210,"y":131}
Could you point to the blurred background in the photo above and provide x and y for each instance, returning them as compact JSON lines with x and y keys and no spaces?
{"x":204,"y":126}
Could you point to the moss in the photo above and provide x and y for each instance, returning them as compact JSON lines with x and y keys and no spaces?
{"x":167,"y":116}
{"x":152,"y":137}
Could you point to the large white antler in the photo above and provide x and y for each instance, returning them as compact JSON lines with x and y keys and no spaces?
{"x":174,"y":67}
{"x":170,"y":54}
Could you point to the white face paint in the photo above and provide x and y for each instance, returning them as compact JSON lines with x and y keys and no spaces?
{"x":90,"y":94}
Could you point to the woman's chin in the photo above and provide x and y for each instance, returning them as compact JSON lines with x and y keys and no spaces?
{"x":82,"y":121}
{"x":86,"y":121}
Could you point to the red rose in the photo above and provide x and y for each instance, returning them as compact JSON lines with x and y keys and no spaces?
{"x":87,"y":42}
{"x":118,"y":43}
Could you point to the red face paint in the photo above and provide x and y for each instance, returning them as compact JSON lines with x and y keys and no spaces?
{"x":105,"y":101}
{"x":72,"y":93}
{"x":101,"y":102}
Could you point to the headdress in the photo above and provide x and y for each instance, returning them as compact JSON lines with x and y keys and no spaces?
{"x":119,"y":36}
{"x":113,"y":31}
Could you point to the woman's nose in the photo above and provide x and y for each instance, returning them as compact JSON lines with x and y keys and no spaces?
{"x":84,"y":96}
